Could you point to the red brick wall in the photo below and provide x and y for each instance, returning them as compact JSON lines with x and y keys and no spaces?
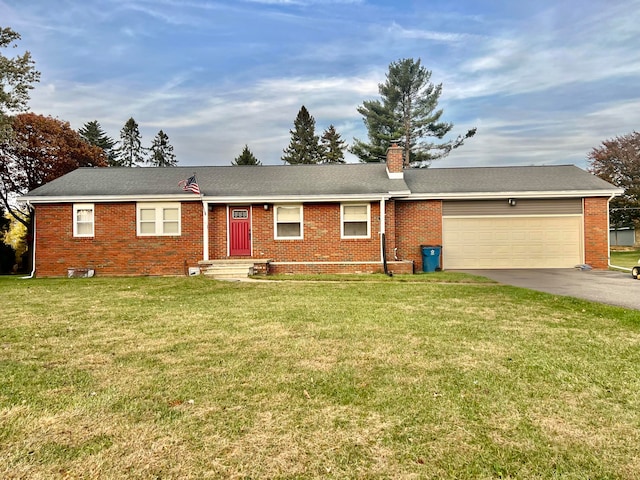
{"x":417,"y":223}
{"x":596,"y":231}
{"x":321,"y":243}
{"x":318,"y":268}
{"x":115,"y":248}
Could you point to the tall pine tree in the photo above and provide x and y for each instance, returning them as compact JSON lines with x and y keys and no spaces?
{"x":333,"y":146}
{"x":304,"y":146}
{"x":246,"y":158}
{"x":130,"y":151}
{"x":161,"y":152}
{"x":94,"y":134}
{"x":407,"y":113}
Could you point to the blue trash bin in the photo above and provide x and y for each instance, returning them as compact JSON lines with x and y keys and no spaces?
{"x":431,"y":257}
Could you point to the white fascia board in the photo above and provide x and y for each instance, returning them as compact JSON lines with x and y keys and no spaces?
{"x":521,"y":194}
{"x":34,"y":200}
{"x":297,"y":198}
{"x":401,"y":195}
{"x":209,"y":199}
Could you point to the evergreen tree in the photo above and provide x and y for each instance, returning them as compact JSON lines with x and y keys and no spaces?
{"x":304,"y":146}
{"x":407,"y":113}
{"x":246,"y":158}
{"x":130,"y":151}
{"x":161,"y":152}
{"x":93,"y":134}
{"x":333,"y":146}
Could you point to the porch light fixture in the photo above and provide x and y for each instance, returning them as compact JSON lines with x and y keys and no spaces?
{"x":512,"y":202}
{"x":266,"y":206}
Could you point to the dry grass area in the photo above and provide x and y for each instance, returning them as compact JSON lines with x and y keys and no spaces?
{"x":192,"y":378}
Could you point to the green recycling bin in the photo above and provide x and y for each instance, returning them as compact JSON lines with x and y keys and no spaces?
{"x":431,"y":257}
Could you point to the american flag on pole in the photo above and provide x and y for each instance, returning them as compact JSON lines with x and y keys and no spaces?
{"x":190,"y":185}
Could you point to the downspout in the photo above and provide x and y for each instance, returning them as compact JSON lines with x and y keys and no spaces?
{"x":33,"y":259}
{"x":625,"y":269}
{"x":205,"y":230}
{"x":383,"y":243}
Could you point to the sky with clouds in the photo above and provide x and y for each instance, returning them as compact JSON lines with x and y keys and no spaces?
{"x":544,"y":82}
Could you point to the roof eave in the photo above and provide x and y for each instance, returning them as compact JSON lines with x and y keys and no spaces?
{"x":516,"y":194}
{"x":401,"y":194}
{"x":37,"y":199}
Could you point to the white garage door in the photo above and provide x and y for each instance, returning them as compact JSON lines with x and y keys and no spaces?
{"x":512,"y":242}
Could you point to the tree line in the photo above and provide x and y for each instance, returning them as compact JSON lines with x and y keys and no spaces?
{"x":129,"y":152}
{"x":406,"y":113}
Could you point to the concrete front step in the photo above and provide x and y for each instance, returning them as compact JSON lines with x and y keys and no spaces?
{"x":225,"y":269}
{"x":229,"y":272}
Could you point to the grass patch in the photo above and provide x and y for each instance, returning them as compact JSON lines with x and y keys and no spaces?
{"x":370,"y":378}
{"x":435,"y":277}
{"x":626,"y":258}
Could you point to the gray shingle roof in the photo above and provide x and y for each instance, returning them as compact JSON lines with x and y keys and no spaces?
{"x":317,"y":180}
{"x":241,"y":181}
{"x":552,"y":178}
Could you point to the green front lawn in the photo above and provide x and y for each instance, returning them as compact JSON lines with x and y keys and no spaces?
{"x":628,"y":259}
{"x":193,"y":378}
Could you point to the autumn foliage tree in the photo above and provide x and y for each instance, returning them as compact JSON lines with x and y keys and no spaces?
{"x":618,"y":162}
{"x":41,"y":149}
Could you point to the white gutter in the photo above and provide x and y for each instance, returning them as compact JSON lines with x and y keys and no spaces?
{"x":205,"y":231}
{"x":518,"y":194}
{"x":33,"y":258}
{"x":107,"y":198}
{"x":401,"y":194}
{"x":210,"y":199}
{"x":383,"y":224}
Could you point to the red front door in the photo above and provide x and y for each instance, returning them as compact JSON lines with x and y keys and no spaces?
{"x":239,"y":231}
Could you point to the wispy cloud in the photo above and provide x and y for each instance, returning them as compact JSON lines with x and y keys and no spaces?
{"x":430,"y":35}
{"x":544,"y":82}
{"x":306,"y":2}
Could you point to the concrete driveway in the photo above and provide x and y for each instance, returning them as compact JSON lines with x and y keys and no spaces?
{"x":613,"y":288}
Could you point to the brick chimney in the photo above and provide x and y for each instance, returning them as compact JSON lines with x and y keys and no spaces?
{"x":395,"y":162}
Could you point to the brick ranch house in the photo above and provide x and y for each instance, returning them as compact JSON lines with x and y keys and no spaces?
{"x":320,"y":218}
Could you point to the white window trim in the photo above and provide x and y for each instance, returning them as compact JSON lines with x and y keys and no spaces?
{"x":342,"y":234}
{"x":275,"y":222}
{"x":159,"y":208}
{"x":84,"y":206}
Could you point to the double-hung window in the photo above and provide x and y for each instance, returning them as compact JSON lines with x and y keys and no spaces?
{"x":83,"y":220}
{"x":288,"y":222}
{"x":356,"y":220}
{"x":156,"y":219}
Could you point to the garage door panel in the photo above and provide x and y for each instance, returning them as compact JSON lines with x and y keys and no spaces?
{"x":512,"y":242}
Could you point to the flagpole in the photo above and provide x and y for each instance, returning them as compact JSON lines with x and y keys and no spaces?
{"x":205,"y":223}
